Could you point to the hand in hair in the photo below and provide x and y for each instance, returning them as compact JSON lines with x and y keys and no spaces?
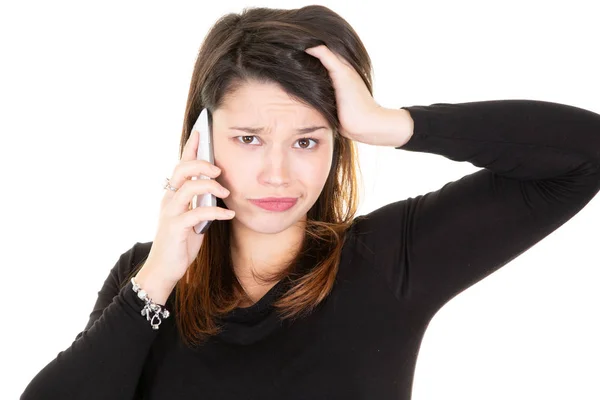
{"x":361,"y":118}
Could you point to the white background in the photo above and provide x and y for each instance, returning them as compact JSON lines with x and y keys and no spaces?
{"x":92,"y":103}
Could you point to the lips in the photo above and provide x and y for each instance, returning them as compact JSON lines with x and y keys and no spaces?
{"x":275,"y":203}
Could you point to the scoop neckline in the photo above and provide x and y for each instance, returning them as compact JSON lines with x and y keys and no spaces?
{"x":259,"y":302}
{"x":264,"y":305}
{"x":261,"y":307}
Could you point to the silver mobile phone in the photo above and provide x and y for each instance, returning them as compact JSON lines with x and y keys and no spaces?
{"x":205,"y":152}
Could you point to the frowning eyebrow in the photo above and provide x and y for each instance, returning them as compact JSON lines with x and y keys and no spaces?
{"x":301,"y":131}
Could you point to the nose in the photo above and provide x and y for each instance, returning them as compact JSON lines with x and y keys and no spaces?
{"x":276,"y":168}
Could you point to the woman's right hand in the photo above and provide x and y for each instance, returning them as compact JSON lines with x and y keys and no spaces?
{"x":176,"y":244}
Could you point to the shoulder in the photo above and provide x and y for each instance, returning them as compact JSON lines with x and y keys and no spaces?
{"x":381,"y":234}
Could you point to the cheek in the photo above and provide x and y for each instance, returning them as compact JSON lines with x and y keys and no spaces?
{"x":228,"y":180}
{"x":231,"y":166}
{"x":237,"y":177}
{"x":315,"y":173}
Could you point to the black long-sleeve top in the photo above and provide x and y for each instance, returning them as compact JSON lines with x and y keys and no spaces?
{"x":402,"y":262}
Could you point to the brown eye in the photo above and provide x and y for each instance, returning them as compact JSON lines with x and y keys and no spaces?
{"x":305,"y":140}
{"x":247,"y":139}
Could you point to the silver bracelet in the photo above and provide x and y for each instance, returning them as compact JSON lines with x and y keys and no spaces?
{"x":150,"y":306}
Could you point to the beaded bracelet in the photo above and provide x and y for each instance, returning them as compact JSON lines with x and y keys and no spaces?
{"x":150,"y":306}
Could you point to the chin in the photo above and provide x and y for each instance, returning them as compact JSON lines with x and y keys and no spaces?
{"x":267,"y":222}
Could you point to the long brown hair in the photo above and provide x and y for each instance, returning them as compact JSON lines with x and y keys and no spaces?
{"x":267,"y":45}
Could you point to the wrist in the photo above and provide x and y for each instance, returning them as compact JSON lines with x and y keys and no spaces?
{"x":398,"y":126}
{"x":157,"y":289}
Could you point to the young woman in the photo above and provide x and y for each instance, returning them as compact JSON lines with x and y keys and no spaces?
{"x":298,"y":299}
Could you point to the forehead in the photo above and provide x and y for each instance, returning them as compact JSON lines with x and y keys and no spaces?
{"x":265,"y":101}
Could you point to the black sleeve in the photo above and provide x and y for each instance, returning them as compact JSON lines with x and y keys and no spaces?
{"x":540,"y":166}
{"x":105,"y":360}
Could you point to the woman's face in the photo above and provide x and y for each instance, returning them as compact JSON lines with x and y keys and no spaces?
{"x":276,"y":160}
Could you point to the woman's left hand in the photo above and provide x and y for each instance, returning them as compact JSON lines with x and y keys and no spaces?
{"x":361,"y":118}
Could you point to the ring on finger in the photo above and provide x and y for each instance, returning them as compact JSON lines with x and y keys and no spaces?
{"x":168,"y":185}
